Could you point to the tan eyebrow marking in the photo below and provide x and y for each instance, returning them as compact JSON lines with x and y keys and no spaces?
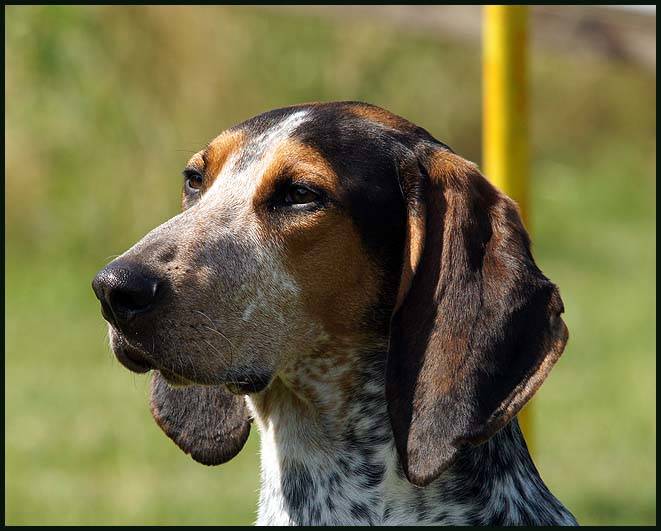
{"x":196,"y":162}
{"x":218,"y":151}
{"x":300,"y":160}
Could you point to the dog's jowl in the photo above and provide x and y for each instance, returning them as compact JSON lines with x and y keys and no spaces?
{"x":365,"y":296}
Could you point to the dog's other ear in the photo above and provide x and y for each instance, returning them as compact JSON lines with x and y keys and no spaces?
{"x":209,"y":423}
{"x":476,"y":327}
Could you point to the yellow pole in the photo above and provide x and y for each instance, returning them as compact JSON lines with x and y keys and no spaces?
{"x":505,"y":115}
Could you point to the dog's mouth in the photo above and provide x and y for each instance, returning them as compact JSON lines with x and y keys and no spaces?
{"x":136,"y":361}
{"x":132,"y":359}
{"x":239,"y":382}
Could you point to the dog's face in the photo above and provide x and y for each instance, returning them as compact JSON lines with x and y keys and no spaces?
{"x":336,"y":224}
{"x":292,"y":225}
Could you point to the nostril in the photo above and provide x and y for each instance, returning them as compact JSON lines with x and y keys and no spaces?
{"x":125,"y":290}
{"x":133,"y":299}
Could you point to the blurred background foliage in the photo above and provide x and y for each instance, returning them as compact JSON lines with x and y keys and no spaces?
{"x":103,"y":107}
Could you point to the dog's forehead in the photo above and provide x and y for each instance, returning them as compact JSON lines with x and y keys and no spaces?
{"x":242,"y":153}
{"x":328,"y":127}
{"x":262,"y":136}
{"x":355,"y":143}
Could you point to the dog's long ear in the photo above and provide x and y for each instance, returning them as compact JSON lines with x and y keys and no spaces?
{"x":476,"y":328}
{"x":209,"y":423}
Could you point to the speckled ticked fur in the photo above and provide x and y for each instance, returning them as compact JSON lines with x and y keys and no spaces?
{"x":344,"y":470}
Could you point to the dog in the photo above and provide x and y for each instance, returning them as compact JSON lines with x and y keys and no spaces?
{"x":364,"y":295}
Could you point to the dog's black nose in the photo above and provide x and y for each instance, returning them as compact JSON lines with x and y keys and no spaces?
{"x":125,"y":291}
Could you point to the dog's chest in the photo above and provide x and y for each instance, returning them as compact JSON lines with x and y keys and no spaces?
{"x":352,"y":489}
{"x":360,"y":482}
{"x":352,"y":479}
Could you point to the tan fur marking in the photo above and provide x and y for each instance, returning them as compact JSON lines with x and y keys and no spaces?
{"x":278,"y":394}
{"x":338,"y":282}
{"x":218,"y":150}
{"x":298,"y":161}
{"x":210,"y":160}
{"x":323,"y":249}
{"x":413,"y":248}
{"x":450,"y":167}
{"x":382,"y":117}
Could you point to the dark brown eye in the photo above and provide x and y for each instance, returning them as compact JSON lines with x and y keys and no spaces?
{"x":300,"y":195}
{"x":194,"y":181}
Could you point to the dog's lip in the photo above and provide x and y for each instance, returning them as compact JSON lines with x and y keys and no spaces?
{"x":174,"y":379}
{"x":133,"y":360}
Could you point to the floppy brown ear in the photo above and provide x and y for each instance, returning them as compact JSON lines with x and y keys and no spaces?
{"x":476,"y":328}
{"x":207,"y":422}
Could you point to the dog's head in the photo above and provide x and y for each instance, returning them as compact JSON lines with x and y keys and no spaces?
{"x":335,"y":223}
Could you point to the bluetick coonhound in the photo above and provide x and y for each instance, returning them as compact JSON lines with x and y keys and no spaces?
{"x":369,"y":299}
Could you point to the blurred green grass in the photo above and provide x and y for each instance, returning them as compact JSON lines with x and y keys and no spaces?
{"x":103,"y":107}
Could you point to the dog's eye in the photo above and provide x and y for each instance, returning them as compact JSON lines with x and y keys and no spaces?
{"x":194,"y":181}
{"x":298,"y":194}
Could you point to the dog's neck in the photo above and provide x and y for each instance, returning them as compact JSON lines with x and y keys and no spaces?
{"x":328,"y":457}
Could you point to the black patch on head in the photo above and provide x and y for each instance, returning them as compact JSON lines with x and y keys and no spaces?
{"x":364,"y":156}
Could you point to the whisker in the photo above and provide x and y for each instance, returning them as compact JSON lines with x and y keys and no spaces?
{"x":220,"y":334}
{"x":214,"y":329}
{"x":213,"y":348}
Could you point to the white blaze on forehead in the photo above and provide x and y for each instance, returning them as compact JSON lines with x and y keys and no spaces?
{"x":236,"y":186}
